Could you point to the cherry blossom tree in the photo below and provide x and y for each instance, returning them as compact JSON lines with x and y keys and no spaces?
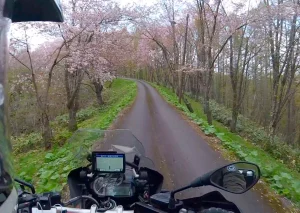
{"x":107,"y":57}
{"x":93,"y":20}
{"x":41,"y":64}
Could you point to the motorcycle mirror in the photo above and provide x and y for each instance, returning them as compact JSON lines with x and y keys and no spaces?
{"x":33,"y":10}
{"x":236,"y":178}
{"x":89,"y":157}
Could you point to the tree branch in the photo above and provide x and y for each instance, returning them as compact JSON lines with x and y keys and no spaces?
{"x":15,"y":57}
{"x":89,"y":86}
{"x":224,"y":44}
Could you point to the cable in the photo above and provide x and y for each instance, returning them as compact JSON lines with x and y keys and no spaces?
{"x":91,"y":198}
{"x":81,"y":197}
{"x":38,"y":203}
{"x":112,"y":204}
{"x":58,"y":205}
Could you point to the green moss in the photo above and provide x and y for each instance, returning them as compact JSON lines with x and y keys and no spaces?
{"x":48,"y":170}
{"x":282,"y":179}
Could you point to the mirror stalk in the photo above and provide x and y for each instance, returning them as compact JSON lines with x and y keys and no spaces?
{"x":201,"y":181}
{"x":172,"y":200}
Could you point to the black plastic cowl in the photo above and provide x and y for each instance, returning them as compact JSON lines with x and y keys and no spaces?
{"x":164,"y":202}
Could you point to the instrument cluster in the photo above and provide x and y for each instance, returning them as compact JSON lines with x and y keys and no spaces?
{"x":104,"y":183}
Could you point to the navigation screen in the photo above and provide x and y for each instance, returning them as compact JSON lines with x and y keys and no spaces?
{"x":110,"y":162}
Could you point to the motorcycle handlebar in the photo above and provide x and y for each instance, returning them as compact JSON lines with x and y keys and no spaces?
{"x":71,"y":201}
{"x":59,"y":209}
{"x":93,"y":209}
{"x":23,"y":183}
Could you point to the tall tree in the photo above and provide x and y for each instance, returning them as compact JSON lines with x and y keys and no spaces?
{"x":283,"y":37}
{"x":241,"y":54}
{"x":37,"y":67}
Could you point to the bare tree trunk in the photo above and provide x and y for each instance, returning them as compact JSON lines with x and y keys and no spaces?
{"x":98,"y":90}
{"x":180,"y":86}
{"x":207,"y":52}
{"x":208,"y":85}
{"x":72,"y":85}
{"x":234,"y":82}
{"x":291,"y":121}
{"x":254,"y":95}
{"x":181,"y":74}
{"x":46,"y":131}
{"x":207,"y":106}
{"x":73,"y":108}
{"x":234,"y":114}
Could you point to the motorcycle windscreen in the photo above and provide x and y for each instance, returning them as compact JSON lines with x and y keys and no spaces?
{"x":85,"y":141}
{"x":37,"y":10}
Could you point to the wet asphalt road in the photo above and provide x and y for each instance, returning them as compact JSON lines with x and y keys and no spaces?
{"x":178,"y":151}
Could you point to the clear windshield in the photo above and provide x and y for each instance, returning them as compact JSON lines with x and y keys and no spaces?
{"x":85,"y":141}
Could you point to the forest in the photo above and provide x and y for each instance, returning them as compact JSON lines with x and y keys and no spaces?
{"x":245,"y":61}
{"x":240,"y":62}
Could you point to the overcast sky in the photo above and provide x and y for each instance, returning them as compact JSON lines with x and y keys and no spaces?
{"x":142,"y":2}
{"x":228,"y":4}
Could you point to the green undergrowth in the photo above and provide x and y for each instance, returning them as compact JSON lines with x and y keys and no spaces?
{"x":48,"y":170}
{"x":282,"y":179}
{"x":248,"y":129}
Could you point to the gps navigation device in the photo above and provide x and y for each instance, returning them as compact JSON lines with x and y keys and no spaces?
{"x":108,"y":162}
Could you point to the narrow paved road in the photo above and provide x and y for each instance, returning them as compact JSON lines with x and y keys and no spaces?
{"x":178,"y":151}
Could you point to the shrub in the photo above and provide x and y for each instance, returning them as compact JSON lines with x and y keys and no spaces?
{"x":61,"y":120}
{"x":61,"y":136}
{"x":86,"y":113}
{"x":257,"y":135}
{"x":28,"y":142}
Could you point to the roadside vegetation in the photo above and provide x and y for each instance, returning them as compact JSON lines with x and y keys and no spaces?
{"x":48,"y":169}
{"x":285,"y":181}
{"x":232,"y":68}
{"x":65,"y":83}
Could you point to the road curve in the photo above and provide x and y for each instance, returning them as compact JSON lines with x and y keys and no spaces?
{"x":178,"y":151}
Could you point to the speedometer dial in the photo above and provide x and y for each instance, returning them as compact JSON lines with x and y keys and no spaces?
{"x":101,"y":183}
{"x":99,"y":186}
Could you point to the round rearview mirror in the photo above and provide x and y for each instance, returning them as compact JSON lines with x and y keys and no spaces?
{"x":236,"y":177}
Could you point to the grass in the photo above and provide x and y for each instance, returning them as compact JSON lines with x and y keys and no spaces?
{"x":48,"y":170}
{"x":286,"y":153}
{"x":283,"y":180}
